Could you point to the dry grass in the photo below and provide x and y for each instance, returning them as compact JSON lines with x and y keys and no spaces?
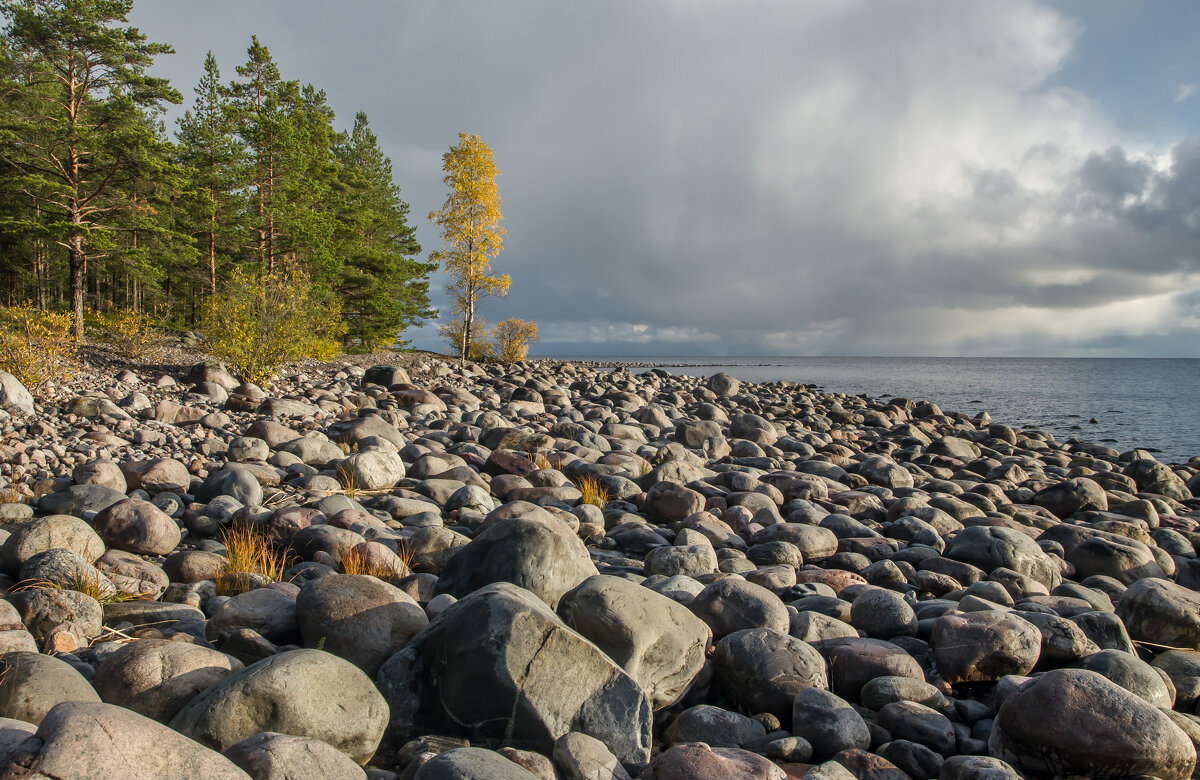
{"x":540,"y":460}
{"x":248,"y":553}
{"x":11,"y":493}
{"x":355,"y":562}
{"x":91,"y":584}
{"x":349,"y":481}
{"x":593,"y":492}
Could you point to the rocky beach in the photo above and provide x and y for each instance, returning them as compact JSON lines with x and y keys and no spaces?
{"x":391,"y":566}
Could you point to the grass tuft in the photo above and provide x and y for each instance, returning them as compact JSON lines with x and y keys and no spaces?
{"x":593,"y":492}
{"x":355,"y":562}
{"x":249,"y":556}
{"x":540,"y":460}
{"x":349,"y":481}
{"x":93,"y":584}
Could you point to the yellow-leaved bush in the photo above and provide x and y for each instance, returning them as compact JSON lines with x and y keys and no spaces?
{"x":37,"y":347}
{"x":132,"y":334}
{"x":511,"y":339}
{"x":259,"y":321}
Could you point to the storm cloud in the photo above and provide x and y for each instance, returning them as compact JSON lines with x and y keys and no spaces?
{"x":719,"y":177}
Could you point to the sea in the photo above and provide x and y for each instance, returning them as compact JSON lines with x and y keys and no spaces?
{"x":1148,"y":403}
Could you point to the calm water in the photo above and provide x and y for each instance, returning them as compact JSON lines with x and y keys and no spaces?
{"x":1136,"y":402}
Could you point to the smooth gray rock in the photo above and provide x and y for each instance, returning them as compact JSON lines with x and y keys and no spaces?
{"x":828,"y":722}
{"x":471,"y":763}
{"x":13,"y":395}
{"x":31,"y":684}
{"x":1161,"y":612}
{"x":1075,"y":722}
{"x":86,"y":740}
{"x":306,"y":693}
{"x":541,"y":556}
{"x":358,"y":617}
{"x":272,"y":756}
{"x":762,"y":669}
{"x":156,"y":677}
{"x":658,"y":642}
{"x":492,"y":667}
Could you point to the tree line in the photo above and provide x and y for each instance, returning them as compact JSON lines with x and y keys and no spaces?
{"x":101,"y":207}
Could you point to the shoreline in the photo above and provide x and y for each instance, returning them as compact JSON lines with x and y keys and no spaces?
{"x":717,"y":563}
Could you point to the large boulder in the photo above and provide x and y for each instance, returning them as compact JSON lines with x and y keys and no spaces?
{"x":31,"y":684}
{"x":272,"y":756}
{"x":308,"y":693}
{"x":762,"y":669}
{"x":991,"y":547}
{"x":698,"y":761}
{"x":138,"y":527}
{"x":499,"y":667}
{"x":156,"y":677}
{"x":984,"y":646}
{"x":1161,"y":612}
{"x":544,"y":557}
{"x":358,"y":617}
{"x":372,"y":469}
{"x":471,"y":763}
{"x":732,"y":604}
{"x":1072,"y":496}
{"x":48,"y":533}
{"x":13,"y":395}
{"x":1071,"y":722}
{"x":91,"y":739}
{"x":657,"y":641}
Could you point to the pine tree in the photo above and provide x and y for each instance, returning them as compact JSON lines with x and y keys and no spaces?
{"x":75,"y":93}
{"x":383,"y":287}
{"x":214,"y":157}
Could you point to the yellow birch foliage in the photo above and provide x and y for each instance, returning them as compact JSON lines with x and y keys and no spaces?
{"x":472,"y":235}
{"x":511,"y":339}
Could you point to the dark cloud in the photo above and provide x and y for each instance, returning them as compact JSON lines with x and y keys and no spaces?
{"x":705,"y":176}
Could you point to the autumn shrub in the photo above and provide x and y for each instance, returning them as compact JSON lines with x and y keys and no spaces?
{"x":132,"y":334}
{"x":259,"y":321}
{"x":480,"y":348}
{"x":37,"y":347}
{"x":511,"y":339}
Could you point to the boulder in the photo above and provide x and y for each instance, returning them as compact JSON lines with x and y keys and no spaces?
{"x":471,"y":763}
{"x":1161,"y":612}
{"x":91,"y":739}
{"x":13,"y":395}
{"x":762,"y":670}
{"x":272,"y":756}
{"x":828,"y":723}
{"x":137,"y":527}
{"x":657,"y":641}
{"x":156,"y":677}
{"x":733,"y":604}
{"x":358,"y":617}
{"x":31,"y":684}
{"x":984,"y":646}
{"x":307,"y":693}
{"x":991,"y":547}
{"x":48,"y":533}
{"x":698,"y":761}
{"x":492,"y":667}
{"x":1076,"y":722}
{"x":542,"y":556}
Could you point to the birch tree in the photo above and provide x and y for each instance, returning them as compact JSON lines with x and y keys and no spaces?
{"x":472,"y":234}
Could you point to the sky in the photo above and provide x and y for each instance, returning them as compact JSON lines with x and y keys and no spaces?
{"x":771,"y":177}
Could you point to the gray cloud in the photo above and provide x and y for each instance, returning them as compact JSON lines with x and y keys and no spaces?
{"x":705,"y":176}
